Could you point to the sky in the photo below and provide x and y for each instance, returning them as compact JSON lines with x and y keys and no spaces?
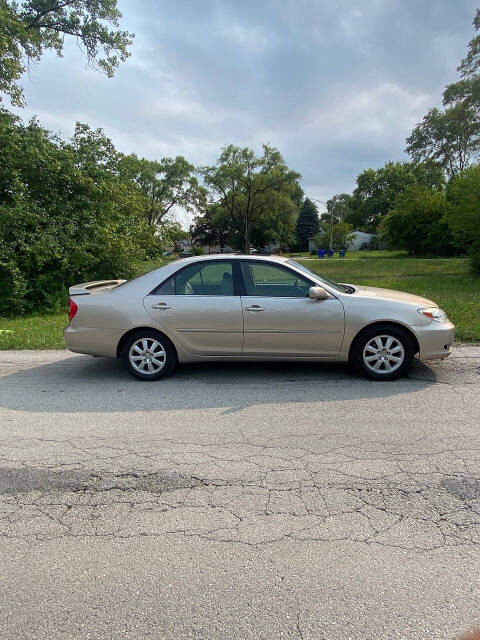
{"x":335,"y":85}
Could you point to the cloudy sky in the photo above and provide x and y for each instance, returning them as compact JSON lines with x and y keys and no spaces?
{"x":336,"y":85}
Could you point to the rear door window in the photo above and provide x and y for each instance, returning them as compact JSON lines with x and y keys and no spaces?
{"x":200,"y":279}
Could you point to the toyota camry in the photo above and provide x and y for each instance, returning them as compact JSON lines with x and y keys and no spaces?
{"x":252,"y":308}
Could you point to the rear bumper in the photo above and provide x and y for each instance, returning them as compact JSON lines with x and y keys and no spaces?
{"x":94,"y":342}
{"x":435,"y":340}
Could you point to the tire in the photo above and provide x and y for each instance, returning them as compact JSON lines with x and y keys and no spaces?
{"x":148,"y":355}
{"x":383,"y":352}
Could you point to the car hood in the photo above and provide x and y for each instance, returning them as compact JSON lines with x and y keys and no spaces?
{"x":391,"y":294}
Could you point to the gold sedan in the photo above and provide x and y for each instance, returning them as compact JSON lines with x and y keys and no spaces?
{"x":252,"y":308}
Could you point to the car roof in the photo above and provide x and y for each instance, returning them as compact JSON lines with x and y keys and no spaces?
{"x":152,"y":278}
{"x":231,"y":256}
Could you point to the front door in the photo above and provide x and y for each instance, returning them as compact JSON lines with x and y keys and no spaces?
{"x":281,"y":320}
{"x":198,"y":306}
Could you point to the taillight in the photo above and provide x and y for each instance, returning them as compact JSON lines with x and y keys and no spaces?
{"x":72,"y":309}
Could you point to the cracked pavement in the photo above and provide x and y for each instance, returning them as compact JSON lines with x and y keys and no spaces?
{"x":238,"y":501}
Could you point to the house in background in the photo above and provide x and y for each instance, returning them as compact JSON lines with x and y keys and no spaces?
{"x":360,"y":238}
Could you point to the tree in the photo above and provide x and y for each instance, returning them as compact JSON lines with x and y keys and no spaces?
{"x":417,"y":223}
{"x":64,"y":216}
{"x":166,"y":184}
{"x":378,"y":189}
{"x":463,"y":212}
{"x":171,"y":235}
{"x":342,"y":237}
{"x":258,"y":195}
{"x":212,"y":228}
{"x":450,"y":137}
{"x":29,"y":27}
{"x":307,"y":225}
{"x":465,"y":91}
{"x":471,"y":63}
{"x":339,"y":207}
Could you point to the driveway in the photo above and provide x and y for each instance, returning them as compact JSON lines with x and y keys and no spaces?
{"x":248,"y":501}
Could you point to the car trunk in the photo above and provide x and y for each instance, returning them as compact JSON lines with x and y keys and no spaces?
{"x":99,"y":286}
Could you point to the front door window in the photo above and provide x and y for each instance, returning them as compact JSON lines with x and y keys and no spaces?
{"x":271,"y":281}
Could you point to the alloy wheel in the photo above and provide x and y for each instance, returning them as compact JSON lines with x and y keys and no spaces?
{"x":383,"y":354}
{"x":147,"y":356}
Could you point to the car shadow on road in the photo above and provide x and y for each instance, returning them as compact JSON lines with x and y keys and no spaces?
{"x":84,"y":384}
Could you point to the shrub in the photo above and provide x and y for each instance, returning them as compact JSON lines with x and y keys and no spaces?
{"x":463,"y":212}
{"x":417,"y":223}
{"x":65,"y":217}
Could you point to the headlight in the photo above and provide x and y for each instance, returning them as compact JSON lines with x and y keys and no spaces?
{"x":434,"y":313}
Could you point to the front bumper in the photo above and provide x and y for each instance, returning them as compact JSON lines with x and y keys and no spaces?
{"x":435,"y":340}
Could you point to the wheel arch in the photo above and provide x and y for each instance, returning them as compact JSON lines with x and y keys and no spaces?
{"x":383,"y":323}
{"x":130,"y":332}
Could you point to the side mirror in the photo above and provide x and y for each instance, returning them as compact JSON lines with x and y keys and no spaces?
{"x":317,"y":293}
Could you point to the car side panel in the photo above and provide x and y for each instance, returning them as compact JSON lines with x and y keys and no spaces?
{"x":204,"y":325}
{"x":362,"y":312}
{"x":292,"y":326}
{"x":102,"y":319}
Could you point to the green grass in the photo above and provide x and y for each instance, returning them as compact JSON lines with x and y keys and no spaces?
{"x":383,"y":267}
{"x":446,"y":281}
{"x":355,"y":255}
{"x":33,"y":332}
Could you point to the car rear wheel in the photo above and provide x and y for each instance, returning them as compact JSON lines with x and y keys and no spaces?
{"x":147,"y":355}
{"x":383,"y":353}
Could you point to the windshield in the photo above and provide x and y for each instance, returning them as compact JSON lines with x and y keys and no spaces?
{"x":315,"y":276}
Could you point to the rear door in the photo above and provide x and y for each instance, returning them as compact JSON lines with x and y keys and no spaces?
{"x":281,"y":320}
{"x":201,"y":308}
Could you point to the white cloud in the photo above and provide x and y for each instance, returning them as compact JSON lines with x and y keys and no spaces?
{"x":335,"y":85}
{"x":384,"y":109}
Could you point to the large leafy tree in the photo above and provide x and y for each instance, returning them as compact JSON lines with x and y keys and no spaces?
{"x":448,"y":136}
{"x":166,"y":184}
{"x":417,"y":222}
{"x":451,"y":136}
{"x":378,"y":189}
{"x":65,"y":215}
{"x":339,"y":206}
{"x":341,"y":237}
{"x":212,"y":228}
{"x":29,"y":27}
{"x":463,"y":212}
{"x":471,"y":63}
{"x":257,"y":195}
{"x":308,"y":224}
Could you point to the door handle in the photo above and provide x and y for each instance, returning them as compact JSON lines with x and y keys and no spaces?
{"x":255,"y":308}
{"x":161,"y":306}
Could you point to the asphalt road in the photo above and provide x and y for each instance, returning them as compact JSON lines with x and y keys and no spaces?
{"x":250,"y":502}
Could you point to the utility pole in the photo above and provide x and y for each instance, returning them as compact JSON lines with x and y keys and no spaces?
{"x":331,"y":220}
{"x":331,"y":229}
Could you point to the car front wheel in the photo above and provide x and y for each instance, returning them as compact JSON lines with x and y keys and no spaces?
{"x":147,"y":355}
{"x":383,"y":353}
